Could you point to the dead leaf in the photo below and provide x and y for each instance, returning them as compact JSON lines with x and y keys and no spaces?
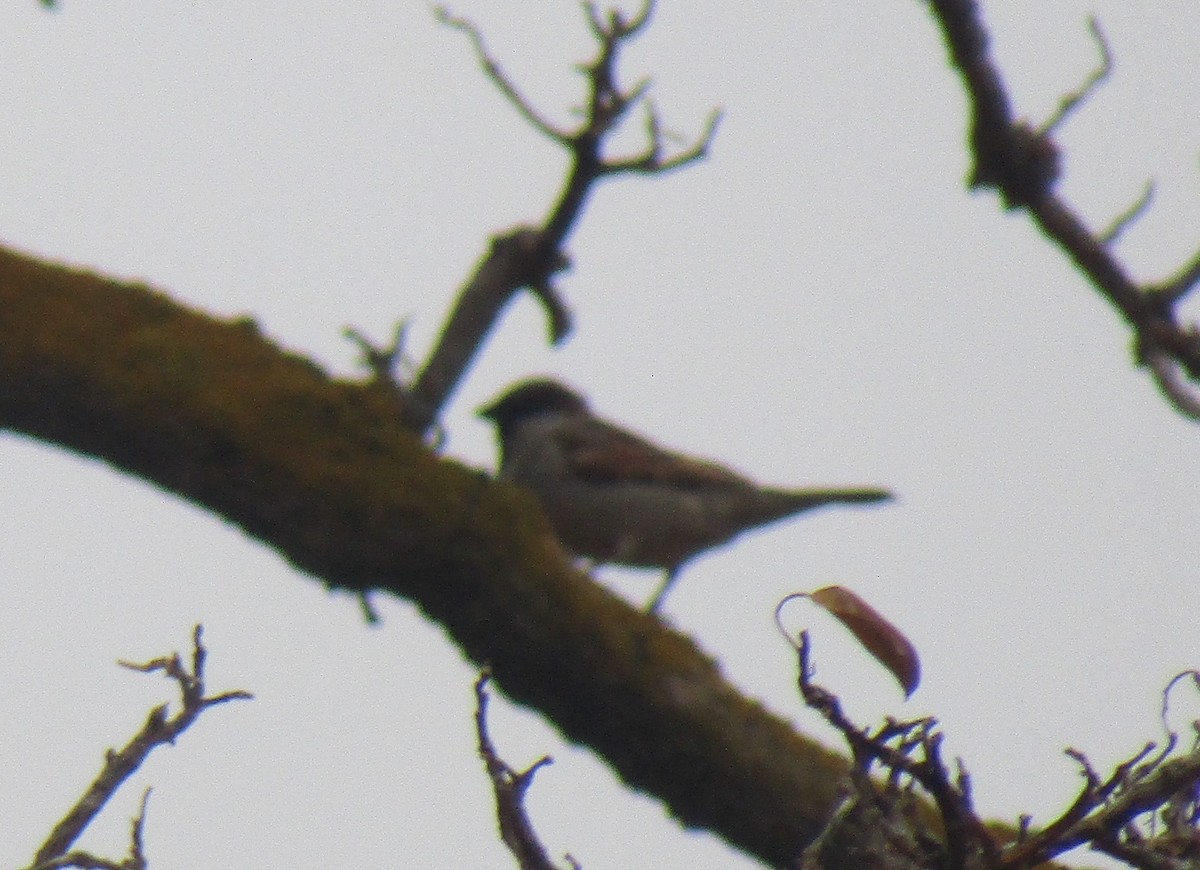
{"x":881,"y":639}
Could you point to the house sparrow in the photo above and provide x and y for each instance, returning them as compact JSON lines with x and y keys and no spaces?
{"x":614,"y":497}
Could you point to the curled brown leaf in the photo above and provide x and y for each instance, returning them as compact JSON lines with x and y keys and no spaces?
{"x":878,"y":636}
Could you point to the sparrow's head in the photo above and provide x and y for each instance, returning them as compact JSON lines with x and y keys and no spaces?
{"x":531,"y":399}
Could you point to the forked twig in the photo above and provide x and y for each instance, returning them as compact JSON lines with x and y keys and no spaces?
{"x":119,"y":765}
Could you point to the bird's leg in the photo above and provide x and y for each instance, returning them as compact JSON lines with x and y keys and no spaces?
{"x":668,"y":578}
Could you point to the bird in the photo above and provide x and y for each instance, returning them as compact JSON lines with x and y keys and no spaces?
{"x":613,"y":497}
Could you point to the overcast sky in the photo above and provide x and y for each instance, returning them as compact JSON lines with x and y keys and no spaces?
{"x":821,"y":302}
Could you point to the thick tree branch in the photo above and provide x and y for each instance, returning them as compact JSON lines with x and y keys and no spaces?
{"x":327,"y":474}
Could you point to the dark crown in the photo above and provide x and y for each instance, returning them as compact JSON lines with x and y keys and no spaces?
{"x":529,"y":399}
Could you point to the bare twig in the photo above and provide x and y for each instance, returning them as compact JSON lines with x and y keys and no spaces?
{"x":911,"y":749}
{"x":530,"y":257}
{"x":1143,"y":857}
{"x":1104,"y":813}
{"x":1032,"y":849}
{"x":1075,"y":99}
{"x":651,"y":161}
{"x":1022,"y":164}
{"x":1121,"y":222}
{"x":510,"y":786}
{"x":384,"y":361}
{"x":497,"y":77}
{"x":1147,"y":791}
{"x":137,"y":855}
{"x":87,"y":861}
{"x":617,"y":24}
{"x":1144,"y":796}
{"x":392,"y":368}
{"x":1166,"y":702}
{"x":515,"y":260}
{"x":120,"y":765}
{"x":1179,"y":284}
{"x":1168,"y":375}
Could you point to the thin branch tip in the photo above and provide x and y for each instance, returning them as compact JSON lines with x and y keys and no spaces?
{"x":159,"y":729}
{"x":1073,"y":100}
{"x":498,"y":77}
{"x":1112,"y":233}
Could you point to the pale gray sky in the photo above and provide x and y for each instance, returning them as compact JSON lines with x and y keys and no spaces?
{"x":820,"y":302}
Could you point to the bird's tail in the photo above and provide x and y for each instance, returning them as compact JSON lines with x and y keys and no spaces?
{"x":776,"y":504}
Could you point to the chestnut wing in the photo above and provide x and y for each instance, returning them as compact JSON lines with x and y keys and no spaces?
{"x":602,"y":453}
